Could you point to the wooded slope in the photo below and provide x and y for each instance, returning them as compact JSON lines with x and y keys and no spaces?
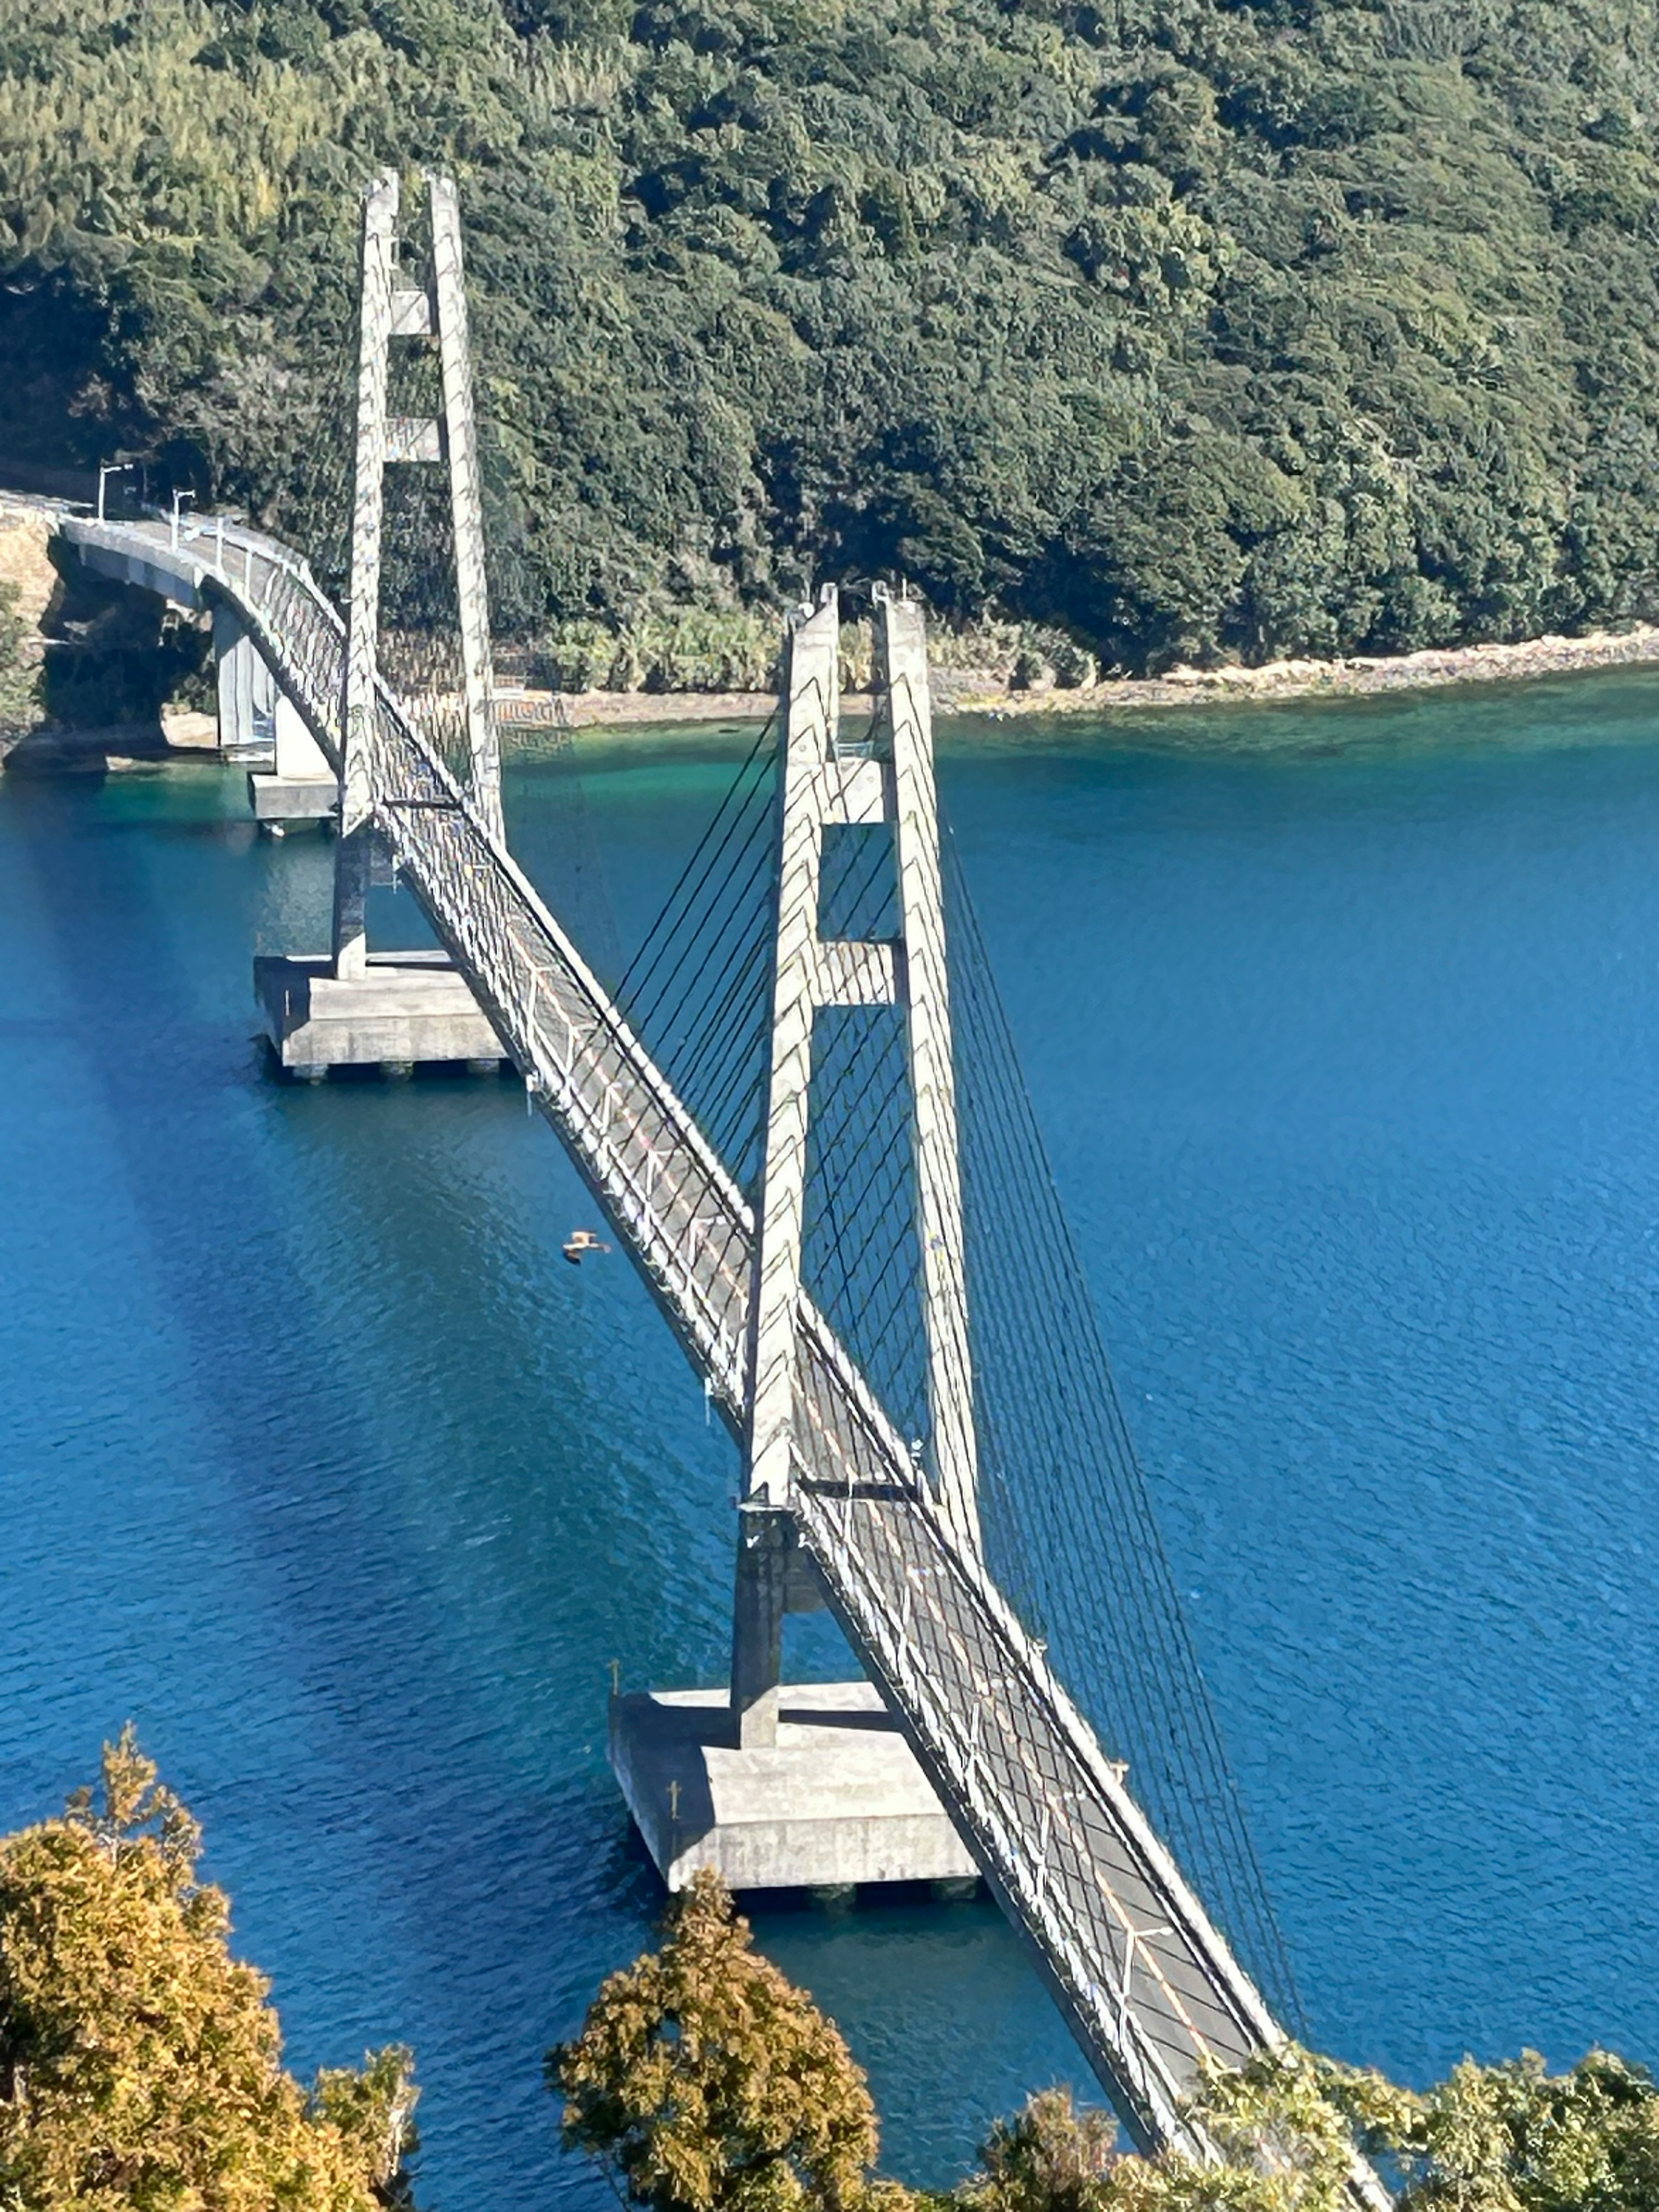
{"x":1199,"y":330}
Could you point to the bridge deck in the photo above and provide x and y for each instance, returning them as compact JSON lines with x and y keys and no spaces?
{"x":1147,"y":1983}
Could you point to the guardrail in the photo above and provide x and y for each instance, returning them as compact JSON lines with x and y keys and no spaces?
{"x":1151,"y":1987}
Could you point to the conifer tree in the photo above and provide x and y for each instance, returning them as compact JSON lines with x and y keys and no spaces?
{"x":705,"y":2082}
{"x":140,"y":2065}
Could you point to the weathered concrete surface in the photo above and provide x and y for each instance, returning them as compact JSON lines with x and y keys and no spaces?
{"x":247,"y":691}
{"x":839,"y":1799}
{"x":299,"y":786}
{"x":285,"y":799}
{"x":409,"y":1010}
{"x":149,"y":565}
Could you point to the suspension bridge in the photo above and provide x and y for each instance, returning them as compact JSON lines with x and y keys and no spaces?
{"x":799,"y":1111}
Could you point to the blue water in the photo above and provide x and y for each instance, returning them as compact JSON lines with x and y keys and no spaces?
{"x":317,"y":1460}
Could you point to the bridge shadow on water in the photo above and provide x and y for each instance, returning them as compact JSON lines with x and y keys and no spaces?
{"x":332,"y":1473}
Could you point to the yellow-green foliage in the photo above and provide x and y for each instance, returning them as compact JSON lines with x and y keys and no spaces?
{"x":1504,"y":2138}
{"x":1286,"y":2148}
{"x":145,"y":141}
{"x":682,"y":649}
{"x":140,"y":2066}
{"x":1515,"y":2137}
{"x":703,"y":2080}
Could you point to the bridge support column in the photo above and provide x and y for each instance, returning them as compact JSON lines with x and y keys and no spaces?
{"x":758,"y":1607}
{"x":460,"y":445}
{"x":812,"y":1784}
{"x":807,"y":1785}
{"x":247,"y":691}
{"x":353,"y":870}
{"x":301,"y":786}
{"x":885,"y":781}
{"x":291,"y":779}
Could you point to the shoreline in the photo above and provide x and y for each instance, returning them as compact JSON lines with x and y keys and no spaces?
{"x":969,"y":692}
{"x":529,"y":719}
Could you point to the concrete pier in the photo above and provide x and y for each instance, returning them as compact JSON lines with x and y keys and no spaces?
{"x":299,"y":786}
{"x":838,"y":1800}
{"x":409,"y":1010}
{"x":247,"y":691}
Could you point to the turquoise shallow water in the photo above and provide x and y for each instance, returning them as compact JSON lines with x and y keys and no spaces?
{"x":317,"y":1460}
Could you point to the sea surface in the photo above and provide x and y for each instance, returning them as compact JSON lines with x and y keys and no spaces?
{"x":317,"y":1460}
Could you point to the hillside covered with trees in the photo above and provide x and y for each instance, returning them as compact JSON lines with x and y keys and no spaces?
{"x":1195,"y":329}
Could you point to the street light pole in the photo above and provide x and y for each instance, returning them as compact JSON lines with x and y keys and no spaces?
{"x":106,"y":470}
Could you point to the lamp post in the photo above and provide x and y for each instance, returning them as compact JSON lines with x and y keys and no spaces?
{"x":178,"y":498}
{"x":106,"y":470}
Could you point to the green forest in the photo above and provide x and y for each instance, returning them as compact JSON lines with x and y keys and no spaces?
{"x":1196,"y":331}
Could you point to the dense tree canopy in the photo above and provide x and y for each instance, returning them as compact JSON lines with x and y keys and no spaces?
{"x":708,"y":2083}
{"x":1505,"y":2138}
{"x":1199,"y":328}
{"x":140,"y":2065}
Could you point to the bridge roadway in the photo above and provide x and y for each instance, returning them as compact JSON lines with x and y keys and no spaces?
{"x":1147,"y":1983}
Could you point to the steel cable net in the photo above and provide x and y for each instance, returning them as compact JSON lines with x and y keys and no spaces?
{"x":860,"y":1256}
{"x":313,"y":513}
{"x":318,"y":524}
{"x":699,"y":990}
{"x":418,"y":643}
{"x":1069,"y":1529}
{"x":420,"y":638}
{"x":1071,"y":1533}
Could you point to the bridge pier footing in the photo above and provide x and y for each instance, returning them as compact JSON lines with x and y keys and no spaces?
{"x":837,"y":1800}
{"x":407,"y":1010}
{"x":299,"y":786}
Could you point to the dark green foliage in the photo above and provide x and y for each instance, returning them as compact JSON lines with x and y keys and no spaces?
{"x":115,"y":657}
{"x":1191,"y":328}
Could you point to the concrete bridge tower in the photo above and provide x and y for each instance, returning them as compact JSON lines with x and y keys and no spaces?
{"x":353,"y":1008}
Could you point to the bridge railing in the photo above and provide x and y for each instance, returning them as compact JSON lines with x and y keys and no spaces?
{"x":1027,"y":1856}
{"x":1146,"y":1979}
{"x":694,"y":1232}
{"x":648,"y":1160}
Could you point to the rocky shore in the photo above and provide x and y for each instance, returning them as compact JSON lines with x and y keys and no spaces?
{"x":531,"y":716}
{"x":975,"y":692}
{"x":1291,"y":679}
